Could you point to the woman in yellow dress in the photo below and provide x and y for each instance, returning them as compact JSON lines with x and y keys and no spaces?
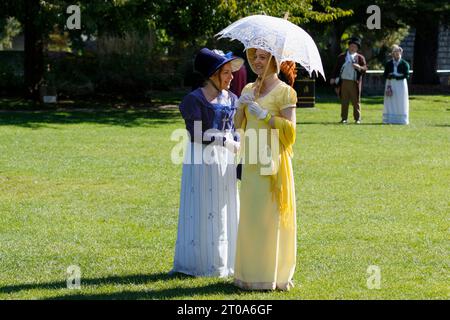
{"x":266,"y":244}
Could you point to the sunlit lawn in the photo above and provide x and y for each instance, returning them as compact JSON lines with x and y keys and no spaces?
{"x":97,"y":189}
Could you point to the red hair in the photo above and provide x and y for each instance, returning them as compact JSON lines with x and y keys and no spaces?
{"x":289,"y":70}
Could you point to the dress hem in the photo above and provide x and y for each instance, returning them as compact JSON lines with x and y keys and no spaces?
{"x":229,"y":273}
{"x":284,"y":286}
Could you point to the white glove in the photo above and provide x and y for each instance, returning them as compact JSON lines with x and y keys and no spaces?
{"x":245,"y":99}
{"x":217,"y":137}
{"x":232,"y":145}
{"x":256,"y":110}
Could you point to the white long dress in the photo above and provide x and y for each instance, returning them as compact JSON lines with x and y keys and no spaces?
{"x":396,"y":107}
{"x":208,"y":215}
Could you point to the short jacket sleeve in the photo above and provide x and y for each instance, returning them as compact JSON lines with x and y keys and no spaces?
{"x":288,"y":98}
{"x":190,"y":108}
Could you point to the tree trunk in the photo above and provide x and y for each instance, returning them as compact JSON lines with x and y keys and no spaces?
{"x":334,"y":48}
{"x":426,"y":45}
{"x":34,"y":54}
{"x":336,"y":34}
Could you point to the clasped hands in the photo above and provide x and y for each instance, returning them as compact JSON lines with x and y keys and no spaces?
{"x":253,"y":107}
{"x":396,"y":74}
{"x":225,"y":139}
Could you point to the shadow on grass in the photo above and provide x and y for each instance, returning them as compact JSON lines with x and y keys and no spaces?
{"x":125,"y":118}
{"x":337,"y":123}
{"x":318,"y":122}
{"x":369,"y":100}
{"x":371,"y":124}
{"x":139,"y":279}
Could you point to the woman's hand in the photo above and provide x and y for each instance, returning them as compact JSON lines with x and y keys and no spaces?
{"x":245,"y":99}
{"x":256,"y":110}
{"x":231,"y":145}
{"x":240,"y":114}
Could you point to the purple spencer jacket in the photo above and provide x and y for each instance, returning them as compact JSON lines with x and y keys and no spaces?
{"x":195,"y":107}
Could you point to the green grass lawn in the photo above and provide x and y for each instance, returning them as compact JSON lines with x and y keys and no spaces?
{"x":97,"y":189}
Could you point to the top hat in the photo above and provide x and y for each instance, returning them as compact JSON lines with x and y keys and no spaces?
{"x":356,"y":41}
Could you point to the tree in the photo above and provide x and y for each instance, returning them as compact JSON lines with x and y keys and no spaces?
{"x":425,"y":16}
{"x":11,"y":27}
{"x":27,"y":13}
{"x":356,"y":24}
{"x":39,"y":18}
{"x":193,"y":22}
{"x":187,"y":22}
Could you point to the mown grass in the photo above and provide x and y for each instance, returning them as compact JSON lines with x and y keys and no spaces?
{"x":97,"y":189}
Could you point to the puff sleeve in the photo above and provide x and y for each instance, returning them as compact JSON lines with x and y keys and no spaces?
{"x":287,"y":129}
{"x":288,"y":99}
{"x":190,"y":109}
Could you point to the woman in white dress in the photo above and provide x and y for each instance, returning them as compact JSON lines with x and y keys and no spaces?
{"x":209,"y":204}
{"x":396,"y":97}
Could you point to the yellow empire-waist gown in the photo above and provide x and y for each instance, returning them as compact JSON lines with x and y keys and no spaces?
{"x":266,"y":243}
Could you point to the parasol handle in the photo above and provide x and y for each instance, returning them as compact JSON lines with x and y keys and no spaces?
{"x":261,"y":82}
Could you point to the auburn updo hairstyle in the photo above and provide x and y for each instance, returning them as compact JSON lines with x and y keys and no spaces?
{"x":289,"y":72}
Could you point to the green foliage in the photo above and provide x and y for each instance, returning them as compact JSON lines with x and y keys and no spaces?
{"x":396,"y":18}
{"x":193,"y":20}
{"x":300,"y":12}
{"x":8,"y":30}
{"x":410,"y":10}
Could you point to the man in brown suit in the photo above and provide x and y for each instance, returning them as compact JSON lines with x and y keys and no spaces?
{"x":347,"y":77}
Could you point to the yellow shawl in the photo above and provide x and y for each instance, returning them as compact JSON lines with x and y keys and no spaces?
{"x":281,"y":182}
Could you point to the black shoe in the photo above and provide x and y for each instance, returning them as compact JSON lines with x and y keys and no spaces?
{"x":343,"y":121}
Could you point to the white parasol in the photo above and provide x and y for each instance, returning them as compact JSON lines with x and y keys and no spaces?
{"x":283,"y":39}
